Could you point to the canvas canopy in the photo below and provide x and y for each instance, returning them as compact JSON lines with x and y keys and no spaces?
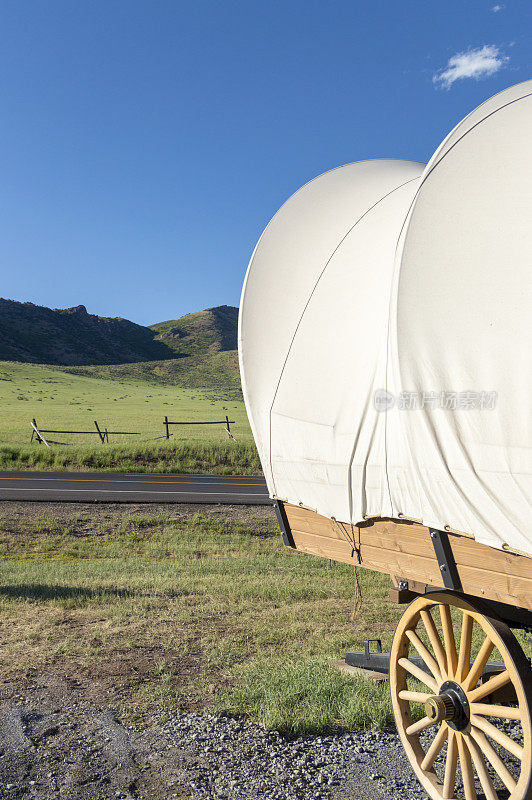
{"x":384,"y":335}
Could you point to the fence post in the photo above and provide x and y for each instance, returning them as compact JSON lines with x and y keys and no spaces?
{"x":33,"y":429}
{"x":228,"y":429}
{"x":167,"y":427}
{"x":100,"y":434}
{"x":40,"y":437}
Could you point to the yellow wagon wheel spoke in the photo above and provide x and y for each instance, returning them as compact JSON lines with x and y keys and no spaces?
{"x":435,"y":748}
{"x":481,"y":769}
{"x":448,"y":637}
{"x":466,"y":768}
{"x":495,"y":760}
{"x":418,"y":673}
{"x":498,"y":736}
{"x":435,"y":640}
{"x":450,"y":767}
{"x":464,"y":656}
{"x":421,"y":725}
{"x":413,"y":697}
{"x":467,"y":710}
{"x":490,"y":686}
{"x":425,"y":655}
{"x":491,"y":710}
{"x":479,"y":664}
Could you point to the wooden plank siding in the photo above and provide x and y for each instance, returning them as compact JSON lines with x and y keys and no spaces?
{"x":405,"y":549}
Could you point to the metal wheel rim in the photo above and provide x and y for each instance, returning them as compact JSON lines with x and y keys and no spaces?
{"x":468,"y":750}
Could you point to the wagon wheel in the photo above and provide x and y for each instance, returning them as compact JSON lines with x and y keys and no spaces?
{"x":454,"y":735}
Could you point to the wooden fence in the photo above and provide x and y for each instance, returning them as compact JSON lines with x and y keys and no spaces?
{"x":37,"y":432}
{"x":103,"y":434}
{"x":226,"y":422}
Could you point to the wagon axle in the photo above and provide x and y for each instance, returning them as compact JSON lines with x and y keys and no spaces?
{"x":450,"y":705}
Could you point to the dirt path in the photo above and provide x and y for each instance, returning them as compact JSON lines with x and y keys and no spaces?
{"x":58,"y":745}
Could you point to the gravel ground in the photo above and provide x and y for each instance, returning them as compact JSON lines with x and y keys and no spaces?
{"x":57,"y":745}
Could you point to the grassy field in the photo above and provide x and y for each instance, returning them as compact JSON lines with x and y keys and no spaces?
{"x":187,"y":611}
{"x":168,"y":610}
{"x":217,"y":370}
{"x":131,"y":400}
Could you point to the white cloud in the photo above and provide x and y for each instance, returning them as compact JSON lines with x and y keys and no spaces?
{"x":477,"y":63}
{"x":497,"y":8}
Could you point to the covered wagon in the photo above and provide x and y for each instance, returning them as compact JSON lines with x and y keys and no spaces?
{"x":385,"y":339}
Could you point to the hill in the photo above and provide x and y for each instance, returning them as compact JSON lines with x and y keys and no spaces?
{"x":201,"y":333}
{"x":213,"y":371}
{"x":41,"y":335}
{"x":74,"y":338}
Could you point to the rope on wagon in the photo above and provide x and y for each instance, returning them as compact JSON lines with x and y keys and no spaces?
{"x":357,"y":602}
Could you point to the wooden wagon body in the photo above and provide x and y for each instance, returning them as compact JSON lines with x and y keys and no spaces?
{"x":409,"y":552}
{"x":384,"y":342}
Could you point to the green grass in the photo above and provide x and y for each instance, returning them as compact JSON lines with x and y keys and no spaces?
{"x":307,"y":695}
{"x":225,"y":458}
{"x":202,"y":612}
{"x":179,"y":611}
{"x":217,"y":370}
{"x":127,"y":401}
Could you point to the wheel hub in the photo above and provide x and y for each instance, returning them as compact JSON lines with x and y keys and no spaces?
{"x":450,"y":705}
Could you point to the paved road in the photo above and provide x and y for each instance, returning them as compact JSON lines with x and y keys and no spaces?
{"x":113,"y":487}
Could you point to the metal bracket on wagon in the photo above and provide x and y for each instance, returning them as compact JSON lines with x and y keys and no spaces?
{"x":284,"y":525}
{"x":446,"y":562}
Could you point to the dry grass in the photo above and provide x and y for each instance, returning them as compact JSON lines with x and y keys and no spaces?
{"x":187,"y":610}
{"x":160,"y":610}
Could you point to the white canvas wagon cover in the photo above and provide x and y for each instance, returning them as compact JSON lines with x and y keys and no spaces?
{"x":385,"y":338}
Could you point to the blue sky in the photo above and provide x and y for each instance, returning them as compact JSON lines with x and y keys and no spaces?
{"x":145,"y":145}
